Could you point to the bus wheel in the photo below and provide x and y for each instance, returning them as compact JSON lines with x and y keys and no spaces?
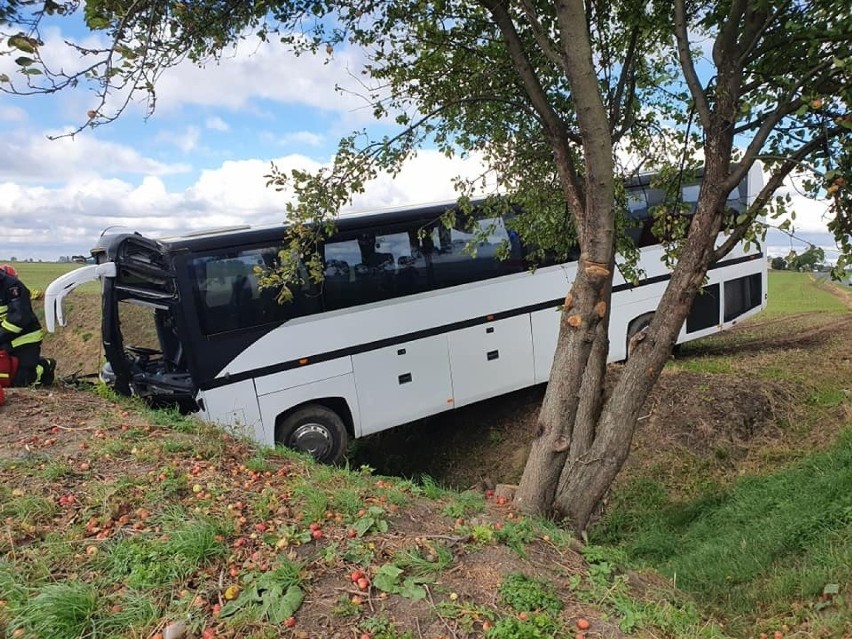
{"x":315,"y":430}
{"x":637,"y":331}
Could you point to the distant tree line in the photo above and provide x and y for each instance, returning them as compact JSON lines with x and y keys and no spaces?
{"x":62,"y":259}
{"x":811,"y":259}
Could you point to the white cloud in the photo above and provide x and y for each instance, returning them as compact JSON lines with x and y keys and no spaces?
{"x":426,"y":178}
{"x":31,"y":157}
{"x":266,"y":71}
{"x":302,"y":138}
{"x":44,"y":222}
{"x":186,"y":140}
{"x":12,"y":114}
{"x":245,"y":74}
{"x":216,"y":124}
{"x":811,"y":215}
{"x":58,"y":57}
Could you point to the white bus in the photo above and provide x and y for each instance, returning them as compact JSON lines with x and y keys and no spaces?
{"x":406,"y":323}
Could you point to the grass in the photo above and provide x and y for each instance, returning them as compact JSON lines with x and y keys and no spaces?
{"x":174,"y":520}
{"x":773,"y":547}
{"x":64,"y":610}
{"x":760,"y":544}
{"x":791,"y":292}
{"x":37,"y":275}
{"x":237,"y":541}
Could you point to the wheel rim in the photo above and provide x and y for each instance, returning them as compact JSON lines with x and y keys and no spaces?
{"x":312,"y":438}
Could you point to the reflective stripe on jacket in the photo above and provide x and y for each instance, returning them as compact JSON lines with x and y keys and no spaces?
{"x":19,"y":325}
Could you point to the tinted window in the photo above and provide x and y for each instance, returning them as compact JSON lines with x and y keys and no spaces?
{"x":705,"y":309}
{"x":742,"y":294}
{"x":373,"y":266}
{"x":454,"y":262}
{"x":640,"y":202}
{"x":378,"y":265}
{"x":228,"y":297}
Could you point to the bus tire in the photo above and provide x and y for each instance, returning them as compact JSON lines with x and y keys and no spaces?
{"x":315,"y":430}
{"x":636,"y":331}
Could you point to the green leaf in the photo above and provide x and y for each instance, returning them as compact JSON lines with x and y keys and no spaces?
{"x":386,"y":578}
{"x":410,"y":589}
{"x":363,"y":525}
{"x":286,"y":605}
{"x":97,"y":23}
{"x":24,"y":61}
{"x":232,"y":607}
{"x":22,"y":43}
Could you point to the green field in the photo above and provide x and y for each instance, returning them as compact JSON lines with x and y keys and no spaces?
{"x":791,"y":292}
{"x":37,"y":275}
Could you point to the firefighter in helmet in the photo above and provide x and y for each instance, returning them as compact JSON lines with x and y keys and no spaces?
{"x":20,"y":331}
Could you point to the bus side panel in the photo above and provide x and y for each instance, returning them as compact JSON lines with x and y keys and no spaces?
{"x":274,"y":404}
{"x":554,"y":282}
{"x":303,"y":375}
{"x":235,"y":407}
{"x":545,"y":331}
{"x":403,"y":382}
{"x":491,"y":359}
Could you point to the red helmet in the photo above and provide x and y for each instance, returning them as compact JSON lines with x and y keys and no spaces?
{"x":9,"y":270}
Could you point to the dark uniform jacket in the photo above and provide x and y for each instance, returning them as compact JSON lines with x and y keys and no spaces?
{"x":19,"y":325}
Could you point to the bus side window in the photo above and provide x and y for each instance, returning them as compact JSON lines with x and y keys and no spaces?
{"x":341,"y":257}
{"x":305,"y":296}
{"x":638,"y":216}
{"x":453,"y":263}
{"x":640,"y":203}
{"x":228,"y":296}
{"x":372,"y":267}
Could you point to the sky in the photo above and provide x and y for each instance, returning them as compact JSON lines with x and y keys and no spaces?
{"x":200,"y":160}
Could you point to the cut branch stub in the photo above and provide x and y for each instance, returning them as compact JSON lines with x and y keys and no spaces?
{"x":569,"y":302}
{"x":596,"y":269}
{"x":574,"y":321}
{"x":561,"y":444}
{"x":600,"y":309}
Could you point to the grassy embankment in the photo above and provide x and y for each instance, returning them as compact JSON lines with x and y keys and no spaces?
{"x":759,"y":552}
{"x":775,"y":544}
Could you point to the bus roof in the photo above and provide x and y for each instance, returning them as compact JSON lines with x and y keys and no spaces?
{"x":246,"y":234}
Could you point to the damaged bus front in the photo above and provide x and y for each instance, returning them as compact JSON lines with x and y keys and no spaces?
{"x":140,"y":319}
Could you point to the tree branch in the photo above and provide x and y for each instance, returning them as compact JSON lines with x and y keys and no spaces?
{"x":541,"y":36}
{"x":558,"y":133}
{"x":766,"y":193}
{"x":762,"y":135}
{"x":752,"y":36}
{"x":686,"y":63}
{"x":627,"y":75}
{"x":726,"y":41}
